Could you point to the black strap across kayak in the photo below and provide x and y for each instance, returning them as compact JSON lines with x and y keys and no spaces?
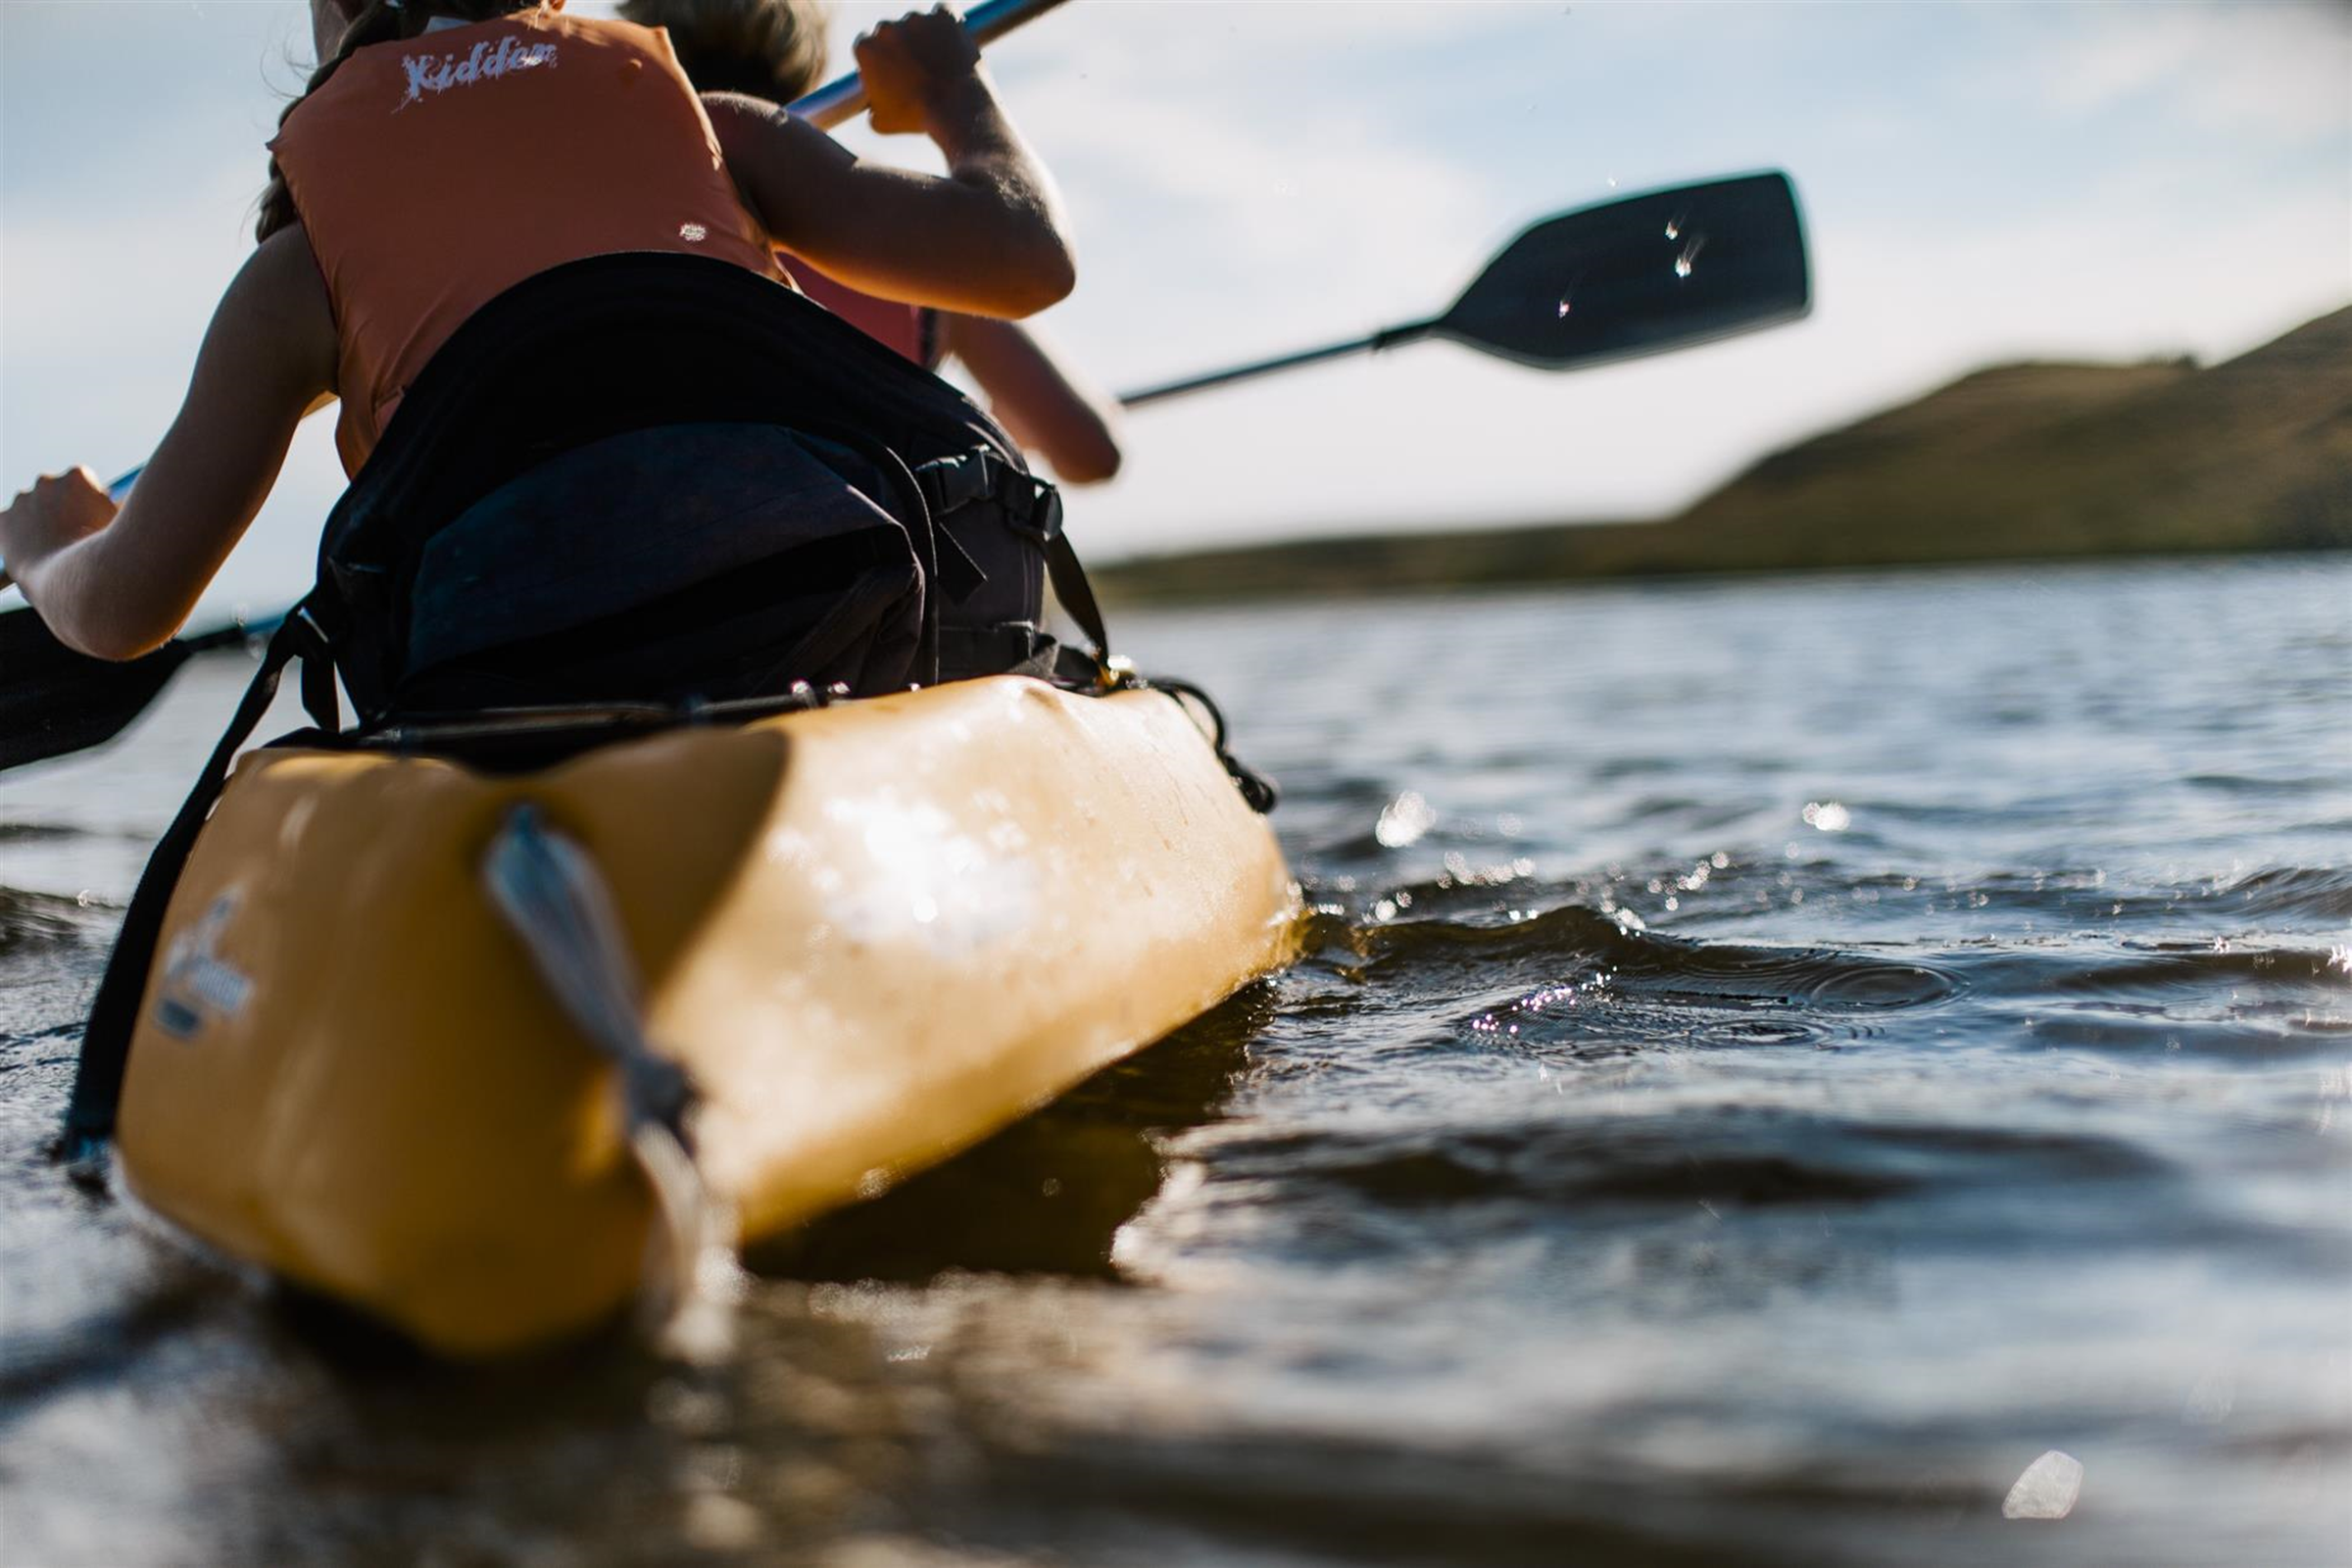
{"x":114,"y":1013}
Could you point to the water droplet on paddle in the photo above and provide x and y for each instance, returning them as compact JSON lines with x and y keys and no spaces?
{"x":693,"y":233}
{"x":1563,"y":306}
{"x":1681,"y":263}
{"x":1674,"y":229}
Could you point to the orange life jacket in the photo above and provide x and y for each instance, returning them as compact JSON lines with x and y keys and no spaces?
{"x":434,"y":174}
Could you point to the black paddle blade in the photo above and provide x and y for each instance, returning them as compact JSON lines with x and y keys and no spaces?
{"x":54,"y":700}
{"x":1639,"y":275}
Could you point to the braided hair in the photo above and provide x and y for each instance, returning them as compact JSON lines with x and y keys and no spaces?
{"x":381,"y":21}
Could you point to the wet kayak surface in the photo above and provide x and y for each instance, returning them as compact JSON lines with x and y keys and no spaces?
{"x":1838,"y":1069}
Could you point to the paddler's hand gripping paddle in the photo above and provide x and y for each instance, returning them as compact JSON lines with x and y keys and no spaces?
{"x":844,"y":98}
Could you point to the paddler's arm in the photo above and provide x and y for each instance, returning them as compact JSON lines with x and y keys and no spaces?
{"x":1047,"y":406}
{"x":986,"y":240}
{"x":116,"y":584}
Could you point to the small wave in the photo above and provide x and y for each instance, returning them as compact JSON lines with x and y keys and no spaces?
{"x":94,"y":1352}
{"x":1470,"y":1170}
{"x":2294,"y":890}
{"x":2157,"y":971}
{"x":2168,"y":965}
{"x":1612,"y":771}
{"x":2230,"y":1004}
{"x":32,"y":921}
{"x":1728,"y":1157}
{"x":1666,"y":967}
{"x":2245,"y":784}
{"x":2086,"y":899}
{"x":39,"y":832}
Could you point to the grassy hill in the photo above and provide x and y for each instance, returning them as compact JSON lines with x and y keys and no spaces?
{"x":2019,"y":462}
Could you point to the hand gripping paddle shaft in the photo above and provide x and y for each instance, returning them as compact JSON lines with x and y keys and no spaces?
{"x":841,"y":99}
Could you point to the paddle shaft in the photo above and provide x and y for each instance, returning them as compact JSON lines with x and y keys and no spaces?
{"x":1388,"y":338}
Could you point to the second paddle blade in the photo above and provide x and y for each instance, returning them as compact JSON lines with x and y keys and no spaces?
{"x":54,"y":700}
{"x":1642,"y":275}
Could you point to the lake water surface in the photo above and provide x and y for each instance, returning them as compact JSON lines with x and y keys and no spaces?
{"x":1776,"y":1059}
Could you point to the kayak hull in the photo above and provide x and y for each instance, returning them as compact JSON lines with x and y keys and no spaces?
{"x":872,"y":934}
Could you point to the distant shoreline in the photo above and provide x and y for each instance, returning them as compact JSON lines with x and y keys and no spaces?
{"x":2015,"y":464}
{"x":1246,"y":575}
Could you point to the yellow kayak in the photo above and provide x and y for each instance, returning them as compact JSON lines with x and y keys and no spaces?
{"x":871,"y":934}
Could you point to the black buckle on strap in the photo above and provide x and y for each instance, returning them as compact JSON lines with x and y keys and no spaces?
{"x":1041,"y":519}
{"x":1032,"y":507}
{"x":950,"y":484}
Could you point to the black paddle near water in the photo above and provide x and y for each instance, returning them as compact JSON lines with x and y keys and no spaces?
{"x":1642,"y":275}
{"x":54,"y":700}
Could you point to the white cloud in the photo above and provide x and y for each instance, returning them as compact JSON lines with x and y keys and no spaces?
{"x":2277,"y":69}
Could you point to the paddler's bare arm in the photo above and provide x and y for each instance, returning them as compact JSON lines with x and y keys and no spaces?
{"x":986,"y":240}
{"x":1047,"y":406}
{"x":116,"y":584}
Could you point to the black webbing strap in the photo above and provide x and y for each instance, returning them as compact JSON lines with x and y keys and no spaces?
{"x":1032,"y":509}
{"x":1076,"y":594}
{"x":114,"y":1013}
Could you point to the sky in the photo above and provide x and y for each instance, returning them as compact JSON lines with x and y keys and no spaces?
{"x":1980,"y":183}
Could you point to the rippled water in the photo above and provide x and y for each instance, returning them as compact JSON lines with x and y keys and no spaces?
{"x":1776,"y":1059}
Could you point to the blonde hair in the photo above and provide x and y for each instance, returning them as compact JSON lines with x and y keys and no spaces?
{"x":383,"y":21}
{"x":771,"y":49}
